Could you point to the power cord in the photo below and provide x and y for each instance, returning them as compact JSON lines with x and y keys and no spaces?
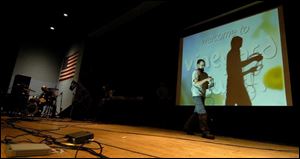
{"x":91,"y":140}
{"x":49,"y":139}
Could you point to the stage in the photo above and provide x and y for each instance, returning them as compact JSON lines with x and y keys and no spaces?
{"x":122,"y":141}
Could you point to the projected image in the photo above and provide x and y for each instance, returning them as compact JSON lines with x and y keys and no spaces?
{"x":246,"y":60}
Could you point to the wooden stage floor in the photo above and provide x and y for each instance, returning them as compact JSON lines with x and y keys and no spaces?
{"x":121,"y":141}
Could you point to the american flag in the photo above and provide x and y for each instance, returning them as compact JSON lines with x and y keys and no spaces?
{"x":69,"y":67}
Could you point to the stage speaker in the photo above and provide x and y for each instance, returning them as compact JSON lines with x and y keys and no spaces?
{"x":19,"y":93}
{"x":21,"y":82}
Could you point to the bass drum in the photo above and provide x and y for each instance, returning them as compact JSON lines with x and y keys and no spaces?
{"x":32,"y":109}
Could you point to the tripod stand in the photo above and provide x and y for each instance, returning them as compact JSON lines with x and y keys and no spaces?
{"x":61,"y":98}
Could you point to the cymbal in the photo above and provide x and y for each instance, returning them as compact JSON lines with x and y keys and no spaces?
{"x":53,"y":89}
{"x":28,"y":89}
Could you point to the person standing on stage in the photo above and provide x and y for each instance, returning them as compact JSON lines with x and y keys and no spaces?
{"x":200,"y":82}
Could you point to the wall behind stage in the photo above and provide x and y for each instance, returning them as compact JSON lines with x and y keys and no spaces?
{"x":39,"y":62}
{"x":43,"y":64}
{"x":65,"y":98}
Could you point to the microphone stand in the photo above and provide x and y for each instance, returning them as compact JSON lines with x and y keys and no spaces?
{"x":60,"y":109}
{"x":61,"y":97}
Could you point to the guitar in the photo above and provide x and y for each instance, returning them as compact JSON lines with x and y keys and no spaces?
{"x":42,"y":101}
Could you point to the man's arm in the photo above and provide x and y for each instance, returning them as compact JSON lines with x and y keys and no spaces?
{"x":200,"y":83}
{"x":255,"y":57}
{"x":196,"y":81}
{"x":253,"y":69}
{"x":247,"y":62}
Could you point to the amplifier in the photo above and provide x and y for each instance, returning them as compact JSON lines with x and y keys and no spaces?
{"x":80,"y":137}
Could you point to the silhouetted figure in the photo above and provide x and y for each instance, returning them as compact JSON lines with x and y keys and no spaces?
{"x":81,"y":105}
{"x":200,"y":82}
{"x":236,"y":93}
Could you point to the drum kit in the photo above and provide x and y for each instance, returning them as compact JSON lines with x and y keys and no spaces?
{"x":35,"y":103}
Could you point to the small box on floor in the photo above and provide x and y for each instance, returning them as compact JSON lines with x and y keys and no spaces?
{"x":80,"y":137}
{"x":27,"y":149}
